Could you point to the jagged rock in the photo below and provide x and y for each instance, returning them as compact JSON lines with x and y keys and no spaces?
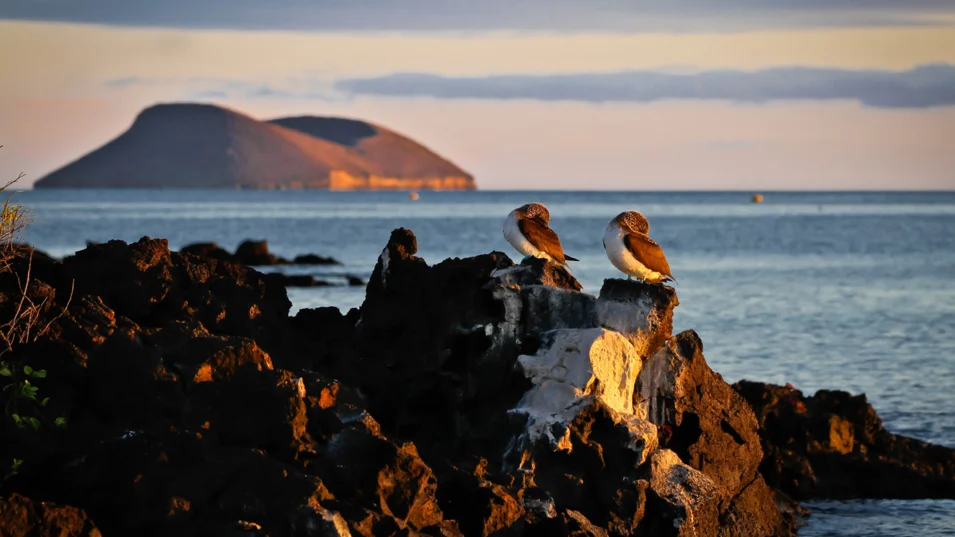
{"x":204,"y":359}
{"x":130,"y":383}
{"x":365,"y":467}
{"x":260,"y":409}
{"x":312,"y":259}
{"x":253,"y":253}
{"x":153,"y":286}
{"x":708,"y":425}
{"x":539,"y":271}
{"x":295,"y":280}
{"x":682,"y":487}
{"x":579,"y":368}
{"x":642,"y":312}
{"x":480,"y":506}
{"x":183,"y":482}
{"x":833,"y":445}
{"x":256,"y":253}
{"x":196,"y":406}
{"x":22,"y":517}
{"x":131,"y":280}
{"x":209,"y":249}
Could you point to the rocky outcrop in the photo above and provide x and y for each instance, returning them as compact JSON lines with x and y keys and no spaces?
{"x":253,"y":254}
{"x":21,"y":517}
{"x":469,"y":397}
{"x":833,"y":445}
{"x":184,"y":145}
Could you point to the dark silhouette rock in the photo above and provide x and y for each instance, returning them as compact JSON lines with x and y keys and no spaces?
{"x":256,"y":253}
{"x":313,"y":259}
{"x":21,"y":517}
{"x":355,"y":281}
{"x":208,"y":249}
{"x":206,"y":146}
{"x":295,"y":280}
{"x":469,"y":397}
{"x":833,"y":445}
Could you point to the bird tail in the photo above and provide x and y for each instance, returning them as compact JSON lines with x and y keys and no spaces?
{"x":568,"y":258}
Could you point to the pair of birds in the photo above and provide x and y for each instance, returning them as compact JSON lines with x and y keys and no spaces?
{"x":628,"y":247}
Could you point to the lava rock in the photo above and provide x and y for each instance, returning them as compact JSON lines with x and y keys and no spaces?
{"x":471,"y":397}
{"x":313,"y":259}
{"x":256,"y":253}
{"x":709,"y":427}
{"x":295,"y":280}
{"x":643,"y":312}
{"x":209,"y":249}
{"x":833,"y":445}
{"x":22,"y":517}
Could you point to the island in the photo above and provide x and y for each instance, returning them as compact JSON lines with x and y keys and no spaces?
{"x":185,"y":145}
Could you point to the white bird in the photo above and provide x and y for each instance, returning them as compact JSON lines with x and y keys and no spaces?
{"x":526,"y":228}
{"x":632,"y":251}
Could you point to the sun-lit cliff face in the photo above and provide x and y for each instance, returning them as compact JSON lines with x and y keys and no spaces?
{"x":206,"y":146}
{"x":340,"y":180}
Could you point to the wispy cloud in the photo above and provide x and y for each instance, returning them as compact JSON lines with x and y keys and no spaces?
{"x":232,"y":88}
{"x":924,"y":86}
{"x":455,"y":15}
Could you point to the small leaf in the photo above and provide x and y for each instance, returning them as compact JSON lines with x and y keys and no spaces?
{"x":5,"y":371}
{"x":35,"y":423}
{"x":16,"y":418}
{"x":17,"y":463}
{"x":44,"y":401}
{"x":27,"y":391}
{"x":60,"y":422}
{"x":27,"y":370}
{"x":39,"y":374}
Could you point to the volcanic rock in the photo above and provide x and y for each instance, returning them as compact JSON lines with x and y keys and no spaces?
{"x":469,"y":397}
{"x":21,"y":517}
{"x":833,"y":445}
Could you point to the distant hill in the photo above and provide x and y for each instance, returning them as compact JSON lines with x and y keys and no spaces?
{"x":207,"y":146}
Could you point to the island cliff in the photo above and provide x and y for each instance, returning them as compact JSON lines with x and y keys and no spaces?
{"x":206,"y":146}
{"x":473,"y":397}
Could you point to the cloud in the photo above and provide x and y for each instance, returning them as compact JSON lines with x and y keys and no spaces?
{"x":430,"y":15}
{"x":924,"y":86}
{"x":231,"y":88}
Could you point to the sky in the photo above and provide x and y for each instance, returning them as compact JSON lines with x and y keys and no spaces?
{"x":524,"y":94}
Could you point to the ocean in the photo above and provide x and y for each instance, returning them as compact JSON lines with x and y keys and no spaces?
{"x":851,"y":291}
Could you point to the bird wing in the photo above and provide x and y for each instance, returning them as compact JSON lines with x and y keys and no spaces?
{"x":543,"y":238}
{"x":648,"y":252}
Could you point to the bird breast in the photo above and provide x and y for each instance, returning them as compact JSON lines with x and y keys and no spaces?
{"x":620,"y":255}
{"x":512,"y":232}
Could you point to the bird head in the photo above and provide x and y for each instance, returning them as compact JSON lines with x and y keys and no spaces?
{"x":632,"y":221}
{"x":535,"y":210}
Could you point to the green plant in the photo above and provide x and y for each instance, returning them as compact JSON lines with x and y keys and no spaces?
{"x":22,"y":403}
{"x":13,"y":470}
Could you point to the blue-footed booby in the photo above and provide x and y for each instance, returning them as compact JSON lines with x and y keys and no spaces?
{"x":526,"y":228}
{"x":632,"y":251}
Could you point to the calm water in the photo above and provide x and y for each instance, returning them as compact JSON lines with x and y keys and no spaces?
{"x":854,"y":291}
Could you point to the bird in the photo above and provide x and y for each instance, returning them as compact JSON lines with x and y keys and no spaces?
{"x":633,"y":252}
{"x":526,"y":229}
